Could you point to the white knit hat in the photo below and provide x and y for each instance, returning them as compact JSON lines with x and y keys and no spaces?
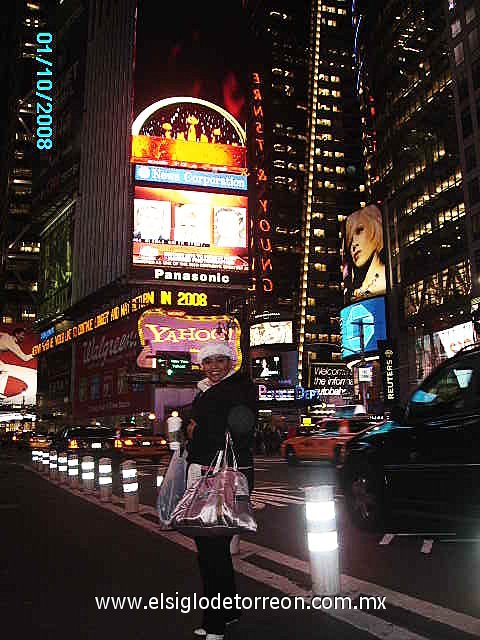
{"x":220,"y":348}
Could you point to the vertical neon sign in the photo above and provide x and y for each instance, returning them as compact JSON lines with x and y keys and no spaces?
{"x":260,"y":236}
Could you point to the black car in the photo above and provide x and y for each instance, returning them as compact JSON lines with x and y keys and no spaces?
{"x":427,"y":456}
{"x":87,"y":440}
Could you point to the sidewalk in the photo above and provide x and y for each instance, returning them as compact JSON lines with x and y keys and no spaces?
{"x":60,"y":551}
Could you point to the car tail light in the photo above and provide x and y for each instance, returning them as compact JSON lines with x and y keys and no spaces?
{"x":117,"y":444}
{"x":128,"y":442}
{"x":72,"y":444}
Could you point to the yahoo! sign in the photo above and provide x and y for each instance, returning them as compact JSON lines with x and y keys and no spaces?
{"x":161,"y":330}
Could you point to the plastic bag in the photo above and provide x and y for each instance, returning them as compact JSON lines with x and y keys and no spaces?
{"x":218,"y":504}
{"x":172,"y":488}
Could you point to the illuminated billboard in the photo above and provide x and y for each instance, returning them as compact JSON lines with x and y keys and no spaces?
{"x":190,"y":229}
{"x":367,"y":316}
{"x":18,"y":367}
{"x":449,"y":341}
{"x":186,"y":131}
{"x":363,"y":259}
{"x":161,"y":330}
{"x":271,"y":333}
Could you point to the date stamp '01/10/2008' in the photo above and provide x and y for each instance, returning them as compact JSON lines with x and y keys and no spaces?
{"x":44,"y":91}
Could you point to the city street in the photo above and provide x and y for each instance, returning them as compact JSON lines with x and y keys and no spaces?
{"x":62,"y":547}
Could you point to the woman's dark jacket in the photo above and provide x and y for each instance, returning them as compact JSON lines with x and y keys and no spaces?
{"x":229,"y":404}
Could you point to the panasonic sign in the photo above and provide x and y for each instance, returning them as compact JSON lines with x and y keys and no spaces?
{"x":188,"y":276}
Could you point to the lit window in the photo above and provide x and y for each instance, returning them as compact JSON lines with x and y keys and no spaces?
{"x":319,"y":233}
{"x":320,"y":266}
{"x":340,"y":170}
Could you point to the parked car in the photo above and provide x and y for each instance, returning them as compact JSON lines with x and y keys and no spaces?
{"x":92,"y":440}
{"x":322,"y":445}
{"x":137,"y":442}
{"x":427,"y":455}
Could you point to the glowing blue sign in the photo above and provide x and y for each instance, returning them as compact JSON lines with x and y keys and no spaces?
{"x":368,"y":315}
{"x":187,"y":177}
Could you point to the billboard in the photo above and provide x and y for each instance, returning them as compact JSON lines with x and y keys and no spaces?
{"x":334,"y":382}
{"x":103,"y":360}
{"x":280,"y":332}
{"x":161,"y":330}
{"x":449,"y":341}
{"x":18,"y":367}
{"x":368,"y":317}
{"x":187,"y":131}
{"x":190,"y":229}
{"x":363,"y":255}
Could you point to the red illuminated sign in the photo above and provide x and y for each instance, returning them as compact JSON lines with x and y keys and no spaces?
{"x":261,"y":228}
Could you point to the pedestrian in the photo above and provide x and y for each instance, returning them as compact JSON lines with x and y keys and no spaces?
{"x":226,"y":401}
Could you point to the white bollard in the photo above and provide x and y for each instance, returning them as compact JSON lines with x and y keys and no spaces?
{"x":62,"y":467}
{"x":35,"y":457}
{"x":322,"y":540}
{"x":105,"y":479}
{"x":53,"y":464}
{"x":45,"y":462}
{"x":88,"y":473}
{"x":130,"y":485}
{"x":73,"y":470}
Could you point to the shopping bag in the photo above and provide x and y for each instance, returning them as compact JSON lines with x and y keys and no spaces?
{"x":218,"y":504}
{"x":172,"y":488}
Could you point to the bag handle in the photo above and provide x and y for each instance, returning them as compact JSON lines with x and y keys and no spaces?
{"x":229,"y":445}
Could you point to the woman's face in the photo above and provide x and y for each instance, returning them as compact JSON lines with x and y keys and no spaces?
{"x":362,"y":246}
{"x":216,"y":367}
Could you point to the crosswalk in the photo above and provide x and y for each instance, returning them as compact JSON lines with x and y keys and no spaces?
{"x":276,"y":494}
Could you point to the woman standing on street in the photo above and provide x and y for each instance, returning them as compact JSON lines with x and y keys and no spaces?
{"x":226,"y":401}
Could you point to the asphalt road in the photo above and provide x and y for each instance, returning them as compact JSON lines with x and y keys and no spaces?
{"x":61,"y":548}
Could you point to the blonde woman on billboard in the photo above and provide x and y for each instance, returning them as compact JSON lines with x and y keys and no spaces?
{"x":364,"y":255}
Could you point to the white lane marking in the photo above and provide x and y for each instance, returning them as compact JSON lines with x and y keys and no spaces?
{"x":427,"y":546}
{"x":462,"y":540}
{"x":387,"y":538}
{"x":420,"y":535}
{"x":356,"y":618}
{"x":278,"y":496}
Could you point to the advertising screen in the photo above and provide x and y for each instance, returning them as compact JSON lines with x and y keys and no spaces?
{"x":449,"y":341}
{"x":162,"y":331}
{"x":271,"y":333}
{"x":363,"y":255}
{"x":369,"y":316}
{"x":18,"y":367}
{"x":190,"y":229}
{"x":267,"y":368}
{"x":334,"y":381}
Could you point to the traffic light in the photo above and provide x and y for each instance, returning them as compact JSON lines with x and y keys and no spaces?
{"x":173,"y":367}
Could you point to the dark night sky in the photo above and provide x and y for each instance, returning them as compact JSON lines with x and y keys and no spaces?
{"x":193,"y":49}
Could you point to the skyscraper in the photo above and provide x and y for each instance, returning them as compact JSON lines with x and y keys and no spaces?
{"x":413,"y":166}
{"x":19,"y":239}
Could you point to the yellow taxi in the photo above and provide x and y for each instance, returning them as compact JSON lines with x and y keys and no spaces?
{"x":40,"y":440}
{"x":325,"y":443}
{"x":137,"y":442}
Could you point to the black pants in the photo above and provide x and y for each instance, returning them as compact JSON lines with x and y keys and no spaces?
{"x":216,"y":570}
